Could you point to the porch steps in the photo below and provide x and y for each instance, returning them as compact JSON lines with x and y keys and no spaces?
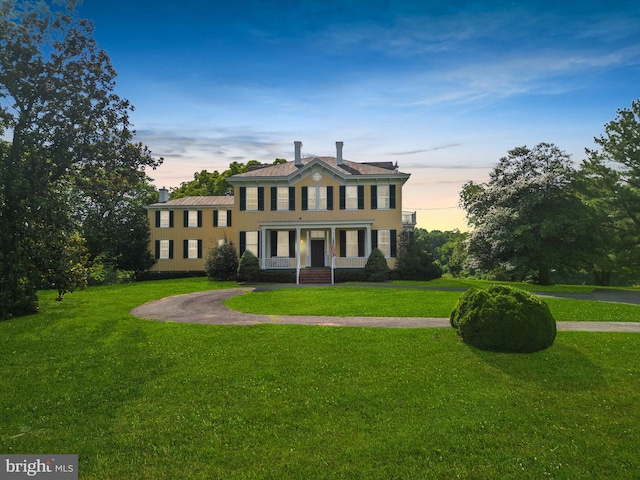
{"x":315,"y":275}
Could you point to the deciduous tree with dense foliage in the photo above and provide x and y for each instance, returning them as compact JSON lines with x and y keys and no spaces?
{"x":65,"y":126}
{"x":527,"y":219}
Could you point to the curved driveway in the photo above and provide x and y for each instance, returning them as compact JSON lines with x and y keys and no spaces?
{"x":206,"y":307}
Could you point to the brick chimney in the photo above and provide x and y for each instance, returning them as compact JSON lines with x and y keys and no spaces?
{"x":298,"y":147}
{"x":339,"y":152}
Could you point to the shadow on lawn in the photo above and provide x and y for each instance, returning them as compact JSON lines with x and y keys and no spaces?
{"x":558,"y":368}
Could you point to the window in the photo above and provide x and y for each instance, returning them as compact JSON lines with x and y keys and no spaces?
{"x":283,"y":198}
{"x":222,"y":218}
{"x":384,"y":242}
{"x":252,"y":198}
{"x":165,"y":249}
{"x":192,"y":218}
{"x":317,"y":198}
{"x":383,"y":196}
{"x":351,"y":192}
{"x":251,"y":242}
{"x":193,"y":249}
{"x":164,"y":219}
{"x":352,"y":243}
{"x":283,"y":243}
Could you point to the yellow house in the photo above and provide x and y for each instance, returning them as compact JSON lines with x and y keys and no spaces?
{"x":311,"y":216}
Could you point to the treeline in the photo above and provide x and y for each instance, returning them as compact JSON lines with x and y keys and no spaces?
{"x":541,"y":216}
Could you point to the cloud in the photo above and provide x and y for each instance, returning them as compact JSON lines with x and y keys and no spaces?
{"x":433,"y":149}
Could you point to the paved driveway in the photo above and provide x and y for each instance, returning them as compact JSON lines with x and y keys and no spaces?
{"x":206,"y":307}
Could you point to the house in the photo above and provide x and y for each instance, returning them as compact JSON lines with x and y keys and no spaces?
{"x":315,"y":213}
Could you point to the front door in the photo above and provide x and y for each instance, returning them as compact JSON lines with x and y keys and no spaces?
{"x":317,"y":253}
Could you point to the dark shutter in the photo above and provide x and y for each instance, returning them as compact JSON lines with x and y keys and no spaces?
{"x":170,"y":218}
{"x":392,"y":196}
{"x":185,"y":244}
{"x":361,"y":243}
{"x":360,"y":197}
{"x":170,"y":248}
{"x":229,"y":218}
{"x":274,"y":243}
{"x":157,"y":218}
{"x":243,"y":242}
{"x":374,"y":197}
{"x":305,"y":198}
{"x":261,"y":198}
{"x":243,"y":198}
{"x":157,"y":249}
{"x":274,"y":198}
{"x":199,"y":218}
{"x":343,"y":242}
{"x":185,"y":217}
{"x":259,"y":244}
{"x":343,"y":197}
{"x":292,"y":243}
{"x":329,"y":198}
{"x":215,"y":218}
{"x":374,"y":239}
{"x":393,"y":243}
{"x":292,"y":198}
{"x":199,"y":248}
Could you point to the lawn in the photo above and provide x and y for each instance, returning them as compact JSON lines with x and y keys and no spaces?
{"x":150,"y":400}
{"x":347,"y":301}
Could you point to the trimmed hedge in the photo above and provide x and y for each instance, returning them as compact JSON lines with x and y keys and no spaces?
{"x":504,"y":319}
{"x":376,"y":268}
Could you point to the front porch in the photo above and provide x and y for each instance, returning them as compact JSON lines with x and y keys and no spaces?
{"x":308,"y":246}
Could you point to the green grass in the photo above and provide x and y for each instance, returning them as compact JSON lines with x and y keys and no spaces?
{"x":152,"y":400}
{"x":405,"y":302}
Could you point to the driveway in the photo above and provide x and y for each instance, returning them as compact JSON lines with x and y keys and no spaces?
{"x":206,"y":308}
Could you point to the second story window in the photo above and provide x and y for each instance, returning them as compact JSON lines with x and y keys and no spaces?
{"x":192,"y":218}
{"x":383,"y":196}
{"x":165,"y":216}
{"x":252,"y":198}
{"x":351,"y":197}
{"x":283,"y":198}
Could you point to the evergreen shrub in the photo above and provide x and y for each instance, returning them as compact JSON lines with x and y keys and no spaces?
{"x":249,"y":267}
{"x":504,"y":319}
{"x":376,"y":267}
{"x":222,"y":262}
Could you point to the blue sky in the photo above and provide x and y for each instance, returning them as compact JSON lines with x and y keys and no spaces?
{"x":443,"y":88}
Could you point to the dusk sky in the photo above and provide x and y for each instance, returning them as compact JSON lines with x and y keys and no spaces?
{"x":443,"y":88}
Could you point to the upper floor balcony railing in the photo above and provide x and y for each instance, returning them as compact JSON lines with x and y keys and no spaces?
{"x":408,"y":219}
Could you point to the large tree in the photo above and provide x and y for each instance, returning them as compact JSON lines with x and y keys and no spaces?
{"x":528,"y":218}
{"x":206,"y":183}
{"x":64,"y":123}
{"x":611,"y":185}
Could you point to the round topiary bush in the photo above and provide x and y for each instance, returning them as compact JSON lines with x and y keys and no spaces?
{"x":504,"y":319}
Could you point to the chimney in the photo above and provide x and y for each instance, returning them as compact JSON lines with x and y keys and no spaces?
{"x":298,"y":146}
{"x":163,"y":195}
{"x":339,"y":152}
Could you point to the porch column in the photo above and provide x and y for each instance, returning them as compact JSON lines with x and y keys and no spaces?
{"x":367,"y":242}
{"x":298,"y":240}
{"x":333,"y":254}
{"x":263,"y":247}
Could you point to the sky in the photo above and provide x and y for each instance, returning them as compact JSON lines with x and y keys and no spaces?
{"x":443,"y":88}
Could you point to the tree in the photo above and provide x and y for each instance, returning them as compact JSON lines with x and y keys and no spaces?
{"x":67,"y":269}
{"x":206,"y":183}
{"x":248,"y":267}
{"x":376,"y":268}
{"x":415,"y":260}
{"x":610,"y":182}
{"x":528,"y":218}
{"x":65,"y":124}
{"x":222,"y":262}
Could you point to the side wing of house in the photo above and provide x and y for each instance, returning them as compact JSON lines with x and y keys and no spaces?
{"x":183,"y":231}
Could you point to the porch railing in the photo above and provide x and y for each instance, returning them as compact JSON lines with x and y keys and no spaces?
{"x":350,"y":262}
